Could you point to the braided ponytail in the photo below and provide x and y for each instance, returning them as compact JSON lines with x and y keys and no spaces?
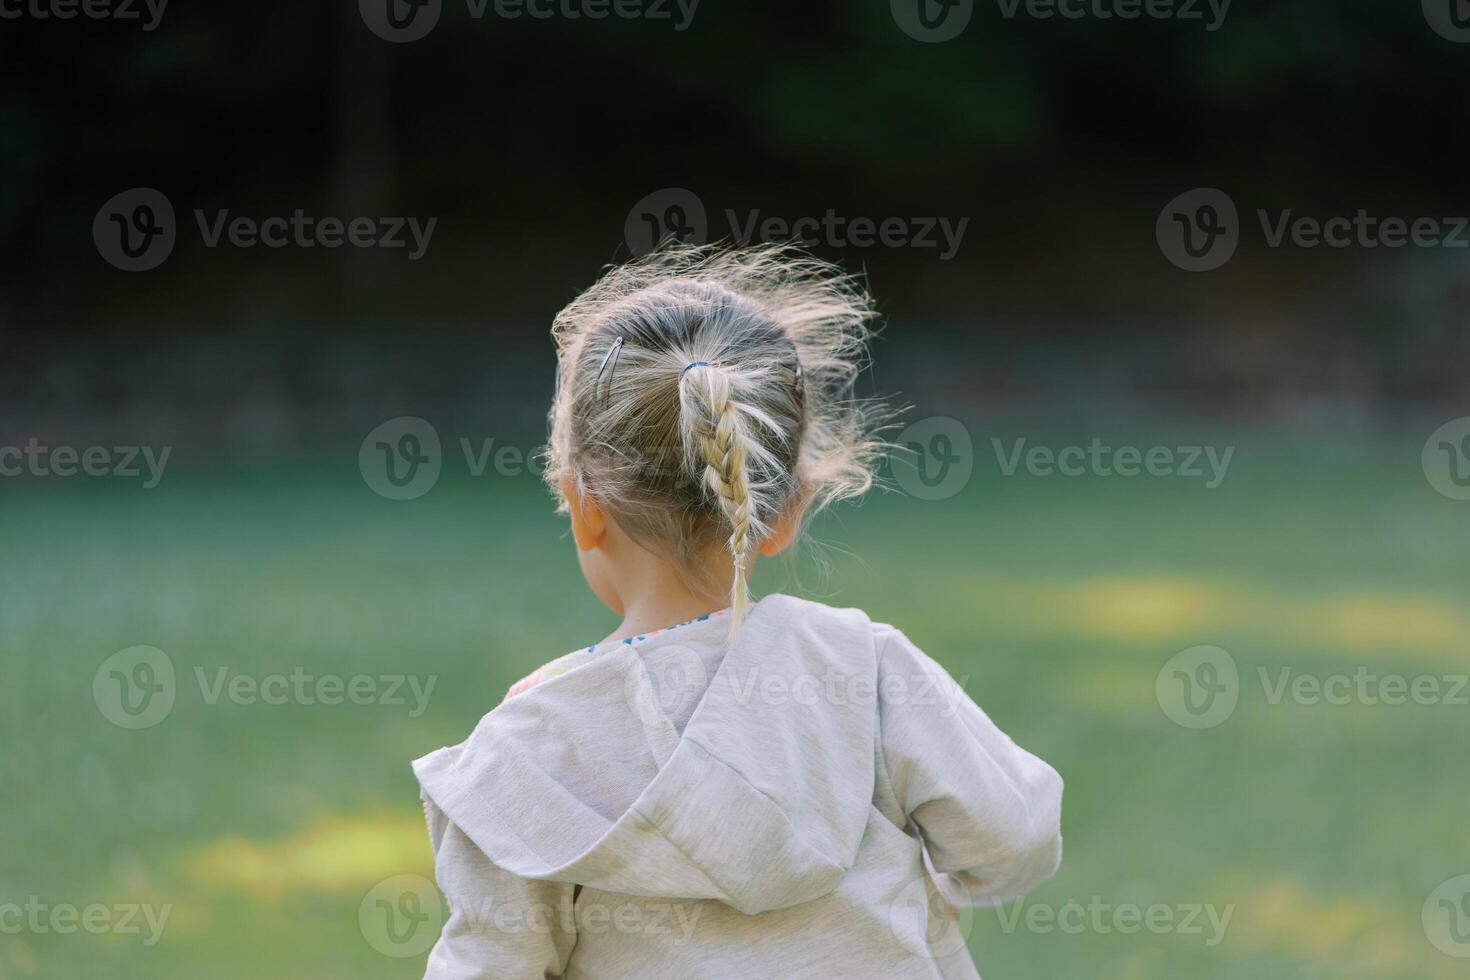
{"x":715,"y":427}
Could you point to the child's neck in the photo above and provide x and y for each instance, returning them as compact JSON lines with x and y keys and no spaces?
{"x":651,"y":593}
{"x":646,"y":613}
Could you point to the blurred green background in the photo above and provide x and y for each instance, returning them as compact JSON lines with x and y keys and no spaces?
{"x":1322,"y":829}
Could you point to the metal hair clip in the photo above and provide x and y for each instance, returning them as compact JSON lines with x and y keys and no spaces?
{"x":613,"y":353}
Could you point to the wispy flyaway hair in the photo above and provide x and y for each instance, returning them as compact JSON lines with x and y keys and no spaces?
{"x":702,"y":389}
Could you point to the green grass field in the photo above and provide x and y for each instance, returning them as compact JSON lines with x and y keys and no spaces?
{"x":1321,"y":829}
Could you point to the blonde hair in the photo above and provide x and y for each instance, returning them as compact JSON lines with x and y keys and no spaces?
{"x":702,"y":389}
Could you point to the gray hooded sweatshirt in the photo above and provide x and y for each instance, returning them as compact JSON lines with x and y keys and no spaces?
{"x":811,"y":800}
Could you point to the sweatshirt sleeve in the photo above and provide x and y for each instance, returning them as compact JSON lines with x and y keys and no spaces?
{"x":500,"y":926}
{"x":988,"y":811}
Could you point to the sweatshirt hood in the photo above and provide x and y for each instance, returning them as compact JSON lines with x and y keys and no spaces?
{"x":758,"y":800}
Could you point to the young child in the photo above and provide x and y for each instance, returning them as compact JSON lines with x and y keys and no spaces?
{"x":768,"y":790}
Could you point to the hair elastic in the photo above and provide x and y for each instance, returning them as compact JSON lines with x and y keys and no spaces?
{"x":693,"y":364}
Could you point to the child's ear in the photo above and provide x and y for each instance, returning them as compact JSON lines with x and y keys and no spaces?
{"x":785,"y":527}
{"x":589,"y":524}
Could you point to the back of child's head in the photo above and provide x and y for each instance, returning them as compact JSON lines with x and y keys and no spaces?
{"x":703,"y":392}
